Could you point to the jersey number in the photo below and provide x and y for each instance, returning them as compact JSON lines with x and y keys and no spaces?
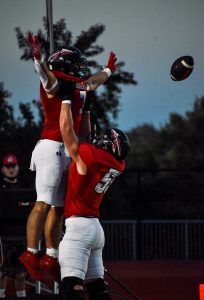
{"x":106,"y":181}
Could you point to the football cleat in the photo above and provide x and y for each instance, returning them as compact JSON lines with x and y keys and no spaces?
{"x":32,"y":264}
{"x":50,"y":265}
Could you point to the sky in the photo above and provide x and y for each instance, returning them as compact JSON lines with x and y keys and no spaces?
{"x":148,"y":35}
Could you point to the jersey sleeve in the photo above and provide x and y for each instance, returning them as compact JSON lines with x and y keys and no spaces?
{"x":86,"y":154}
{"x":66,"y":90}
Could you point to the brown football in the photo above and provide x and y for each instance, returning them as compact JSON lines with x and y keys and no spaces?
{"x":182,"y":68}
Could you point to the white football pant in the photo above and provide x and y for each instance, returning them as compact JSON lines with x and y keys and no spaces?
{"x":51,"y":161}
{"x":80,"y":251}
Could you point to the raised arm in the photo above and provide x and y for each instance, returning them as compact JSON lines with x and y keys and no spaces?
{"x":47,"y":78}
{"x":99,"y":78}
{"x":69,"y":137}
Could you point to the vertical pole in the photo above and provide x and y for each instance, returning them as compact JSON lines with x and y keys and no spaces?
{"x":38,"y":283}
{"x":138,"y":225}
{"x":50,"y":23}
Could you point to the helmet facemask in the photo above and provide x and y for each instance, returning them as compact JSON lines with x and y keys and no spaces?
{"x":84,"y":71}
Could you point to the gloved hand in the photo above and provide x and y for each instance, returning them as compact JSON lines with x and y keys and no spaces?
{"x":112,"y":62}
{"x":35,"y":46}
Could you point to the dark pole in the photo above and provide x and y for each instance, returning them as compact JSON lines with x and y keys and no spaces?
{"x":50,"y":23}
{"x":138,"y":228}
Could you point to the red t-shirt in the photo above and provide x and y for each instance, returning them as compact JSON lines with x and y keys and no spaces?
{"x":85,"y":192}
{"x":72,"y":88}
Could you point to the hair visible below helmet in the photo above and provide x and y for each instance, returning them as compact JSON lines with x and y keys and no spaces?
{"x":69,"y":61}
{"x":111,"y":139}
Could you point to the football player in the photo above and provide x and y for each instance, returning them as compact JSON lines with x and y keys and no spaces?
{"x":95,"y":165}
{"x":64,"y":77}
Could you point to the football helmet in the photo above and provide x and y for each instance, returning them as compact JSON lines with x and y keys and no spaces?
{"x":69,"y":61}
{"x":111,"y":139}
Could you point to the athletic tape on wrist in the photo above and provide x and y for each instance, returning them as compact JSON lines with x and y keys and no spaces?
{"x":107,"y":71}
{"x":67,"y":101}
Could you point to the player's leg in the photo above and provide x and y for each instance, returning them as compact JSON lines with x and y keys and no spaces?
{"x":74,"y":252}
{"x":94,"y":280}
{"x":3,"y":285}
{"x":73,"y":288}
{"x":52,"y":231}
{"x":53,"y":227}
{"x":58,"y":167}
{"x":37,"y":218}
{"x":35,"y":223}
{"x":55,"y":190}
{"x":20,"y":284}
{"x":51,"y":165}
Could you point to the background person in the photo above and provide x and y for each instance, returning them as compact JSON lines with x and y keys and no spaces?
{"x":10,"y":172}
{"x":11,"y":250}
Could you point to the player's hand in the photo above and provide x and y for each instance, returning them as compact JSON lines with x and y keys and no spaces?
{"x":112,"y":62}
{"x":35,"y":46}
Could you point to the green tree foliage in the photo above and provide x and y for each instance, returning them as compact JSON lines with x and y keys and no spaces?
{"x":106,"y":105}
{"x":144,"y":142}
{"x":6,"y":111}
{"x":169,"y":161}
{"x":184,"y":147}
{"x":17,"y":136}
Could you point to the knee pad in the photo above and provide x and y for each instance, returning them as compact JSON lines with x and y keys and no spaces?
{"x":72,"y":288}
{"x":97,"y":290}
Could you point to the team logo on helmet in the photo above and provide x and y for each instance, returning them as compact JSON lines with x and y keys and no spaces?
{"x":116,"y":144}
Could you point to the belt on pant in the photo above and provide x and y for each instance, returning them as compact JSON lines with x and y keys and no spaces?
{"x":82,"y":216}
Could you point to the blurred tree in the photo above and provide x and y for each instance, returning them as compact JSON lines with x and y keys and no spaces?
{"x":170,"y":167}
{"x":144,"y":142}
{"x":183,"y":140}
{"x":17,"y":136}
{"x":7,"y":121}
{"x":106,"y":104}
{"x":6,"y":111}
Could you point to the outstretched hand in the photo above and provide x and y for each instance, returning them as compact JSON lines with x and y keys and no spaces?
{"x":35,"y":46}
{"x":112,"y":62}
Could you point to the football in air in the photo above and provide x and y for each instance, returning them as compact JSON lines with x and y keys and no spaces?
{"x":182,"y":68}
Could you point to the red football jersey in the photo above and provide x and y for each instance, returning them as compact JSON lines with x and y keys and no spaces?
{"x":85,"y":192}
{"x":73,"y":89}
